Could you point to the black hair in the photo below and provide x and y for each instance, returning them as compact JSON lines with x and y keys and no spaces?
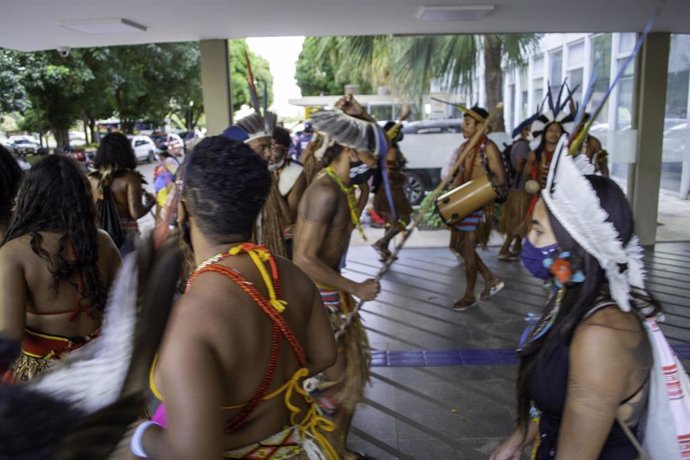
{"x":482,"y":112}
{"x":55,"y":196}
{"x":331,"y":154}
{"x":10,"y":177}
{"x":398,"y":138}
{"x":579,"y":298}
{"x":282,"y":136}
{"x":539,"y":151}
{"x":115,"y":151}
{"x":225,"y":187}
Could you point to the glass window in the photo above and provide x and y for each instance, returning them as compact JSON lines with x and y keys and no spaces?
{"x":625,"y":89}
{"x":575,"y":77}
{"x":576,"y":55}
{"x":538,"y":67}
{"x":675,"y":167}
{"x":626,"y":43}
{"x":538,"y":93}
{"x":555,"y":70}
{"x":601,"y":67}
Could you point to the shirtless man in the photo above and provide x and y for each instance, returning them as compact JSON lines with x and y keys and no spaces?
{"x":327,"y":214}
{"x":242,"y":338}
{"x":484,"y":159}
{"x":55,"y":268}
{"x":115,"y":165}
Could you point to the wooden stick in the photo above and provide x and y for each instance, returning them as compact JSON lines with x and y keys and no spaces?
{"x":420,"y":214}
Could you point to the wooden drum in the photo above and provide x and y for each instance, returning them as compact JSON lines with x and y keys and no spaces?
{"x":462,"y":201}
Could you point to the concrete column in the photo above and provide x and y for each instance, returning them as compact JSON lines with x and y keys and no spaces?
{"x":215,"y":85}
{"x":649,"y":114}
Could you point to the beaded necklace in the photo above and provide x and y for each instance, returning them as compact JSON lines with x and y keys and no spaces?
{"x":351,"y":201}
{"x":259,"y":254}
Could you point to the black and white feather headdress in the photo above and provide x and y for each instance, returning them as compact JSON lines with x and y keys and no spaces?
{"x":257,"y":126}
{"x":571,"y":199}
{"x":559,"y":110}
{"x":335,"y":126}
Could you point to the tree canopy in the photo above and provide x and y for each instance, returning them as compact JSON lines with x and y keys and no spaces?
{"x":408,"y":65}
{"x":152,"y":82}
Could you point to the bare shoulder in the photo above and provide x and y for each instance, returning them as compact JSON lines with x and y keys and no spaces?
{"x":319,"y":201}
{"x":293,"y":276}
{"x":16,"y":248}
{"x":104,"y":239}
{"x":322,"y":188}
{"x":608,"y":328}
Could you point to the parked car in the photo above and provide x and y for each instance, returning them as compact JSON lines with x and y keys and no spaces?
{"x":144,"y":148}
{"x":23,"y":145}
{"x":427,"y":145}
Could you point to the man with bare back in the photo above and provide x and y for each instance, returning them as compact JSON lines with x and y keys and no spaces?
{"x":327,"y":215}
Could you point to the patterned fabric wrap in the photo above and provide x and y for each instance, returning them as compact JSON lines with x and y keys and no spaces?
{"x":471,"y":222}
{"x":39,"y":352}
{"x":666,"y":428}
{"x":287,"y":444}
{"x":353,"y":344}
{"x":129,"y":225}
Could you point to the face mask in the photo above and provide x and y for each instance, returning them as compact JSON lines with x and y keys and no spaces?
{"x":359,"y":172}
{"x":276,"y":166}
{"x":533,"y":258}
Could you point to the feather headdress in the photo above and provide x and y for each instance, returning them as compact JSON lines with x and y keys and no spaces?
{"x":570,"y":198}
{"x":257,"y":126}
{"x":335,"y":126}
{"x":556,"y":111}
{"x":517,"y":132}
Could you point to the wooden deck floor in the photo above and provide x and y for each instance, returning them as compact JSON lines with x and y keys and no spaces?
{"x":462,"y":408}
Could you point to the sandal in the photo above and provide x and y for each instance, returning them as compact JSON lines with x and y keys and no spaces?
{"x":492,"y":290}
{"x":463,"y":304}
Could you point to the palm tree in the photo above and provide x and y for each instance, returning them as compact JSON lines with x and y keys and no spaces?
{"x":408,"y":65}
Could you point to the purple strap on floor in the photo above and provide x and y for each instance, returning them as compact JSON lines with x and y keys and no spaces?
{"x":469,"y":357}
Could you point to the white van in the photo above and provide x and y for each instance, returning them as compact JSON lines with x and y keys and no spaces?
{"x":144,"y":148}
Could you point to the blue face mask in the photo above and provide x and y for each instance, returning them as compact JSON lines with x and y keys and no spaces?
{"x":533,"y":258}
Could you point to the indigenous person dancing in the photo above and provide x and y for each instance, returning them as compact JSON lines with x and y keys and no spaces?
{"x":10,"y":177}
{"x":514,"y":222}
{"x":55,"y":268}
{"x":327,"y":215}
{"x":484,"y":159}
{"x":243,"y":306}
{"x":398,"y":218}
{"x":115,"y":168}
{"x":585,"y":366}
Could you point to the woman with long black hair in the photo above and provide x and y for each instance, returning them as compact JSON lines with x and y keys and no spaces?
{"x":115,"y":170}
{"x":584,"y":369}
{"x":55,"y":268}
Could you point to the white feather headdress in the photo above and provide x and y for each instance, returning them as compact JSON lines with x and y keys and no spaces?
{"x":571,"y":199}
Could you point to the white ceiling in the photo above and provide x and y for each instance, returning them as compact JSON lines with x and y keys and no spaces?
{"x":35,"y":24}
